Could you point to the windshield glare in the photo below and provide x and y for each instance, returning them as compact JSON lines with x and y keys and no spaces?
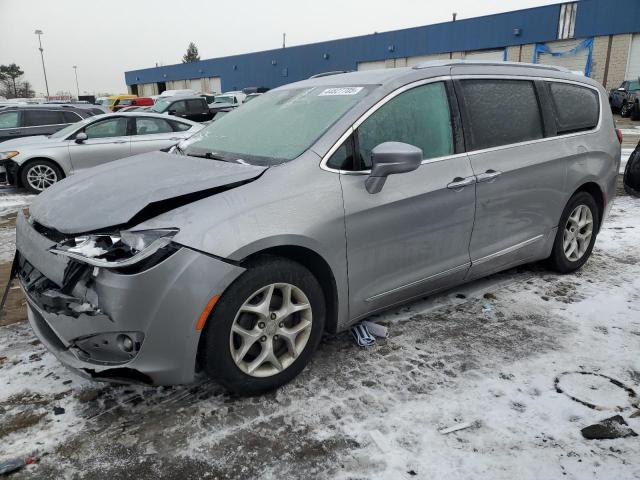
{"x":276,"y":127}
{"x":161,"y":105}
{"x":68,"y":130}
{"x":634,"y":85}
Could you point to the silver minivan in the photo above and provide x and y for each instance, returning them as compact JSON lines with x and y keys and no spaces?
{"x":309,"y":209}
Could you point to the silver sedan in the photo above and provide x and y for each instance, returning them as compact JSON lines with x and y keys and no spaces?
{"x":38,"y":162}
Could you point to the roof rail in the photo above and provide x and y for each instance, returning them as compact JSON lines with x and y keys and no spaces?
{"x":326,"y":74}
{"x":453,"y":63}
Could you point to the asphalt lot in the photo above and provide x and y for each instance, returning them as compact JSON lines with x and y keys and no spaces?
{"x":494,"y":354}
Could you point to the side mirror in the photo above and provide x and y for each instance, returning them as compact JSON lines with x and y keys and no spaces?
{"x":81,"y":137}
{"x":390,"y":158}
{"x":172,"y":112}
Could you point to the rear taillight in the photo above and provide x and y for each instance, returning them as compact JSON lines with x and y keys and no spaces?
{"x":619,"y":134}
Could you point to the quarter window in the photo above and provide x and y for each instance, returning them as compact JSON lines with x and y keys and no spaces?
{"x":419,"y":117}
{"x":115,"y":127}
{"x":180,"y":127}
{"x":576,"y":108}
{"x":35,"y":118}
{"x":501,"y":112}
{"x":71,"y":117}
{"x":149,"y":126}
{"x":9,"y":119}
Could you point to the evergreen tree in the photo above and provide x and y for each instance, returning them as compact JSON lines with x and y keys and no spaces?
{"x":192,"y":54}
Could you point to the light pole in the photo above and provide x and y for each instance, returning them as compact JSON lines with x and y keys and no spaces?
{"x":75,"y":69}
{"x":39,"y":32}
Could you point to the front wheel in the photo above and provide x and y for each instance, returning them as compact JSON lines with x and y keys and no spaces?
{"x":576,"y":234}
{"x":38,"y":175}
{"x":265,"y":328}
{"x":626,"y":110}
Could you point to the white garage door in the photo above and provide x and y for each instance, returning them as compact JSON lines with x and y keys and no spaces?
{"x":575,"y":63}
{"x":411,"y":61}
{"x":211,"y":85}
{"x":371,"y":65}
{"x":490,"y":55}
{"x":146,"y":90}
{"x":633,"y":67}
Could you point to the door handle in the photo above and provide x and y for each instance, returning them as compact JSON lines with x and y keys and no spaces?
{"x":460,"y":182}
{"x":488,"y":176}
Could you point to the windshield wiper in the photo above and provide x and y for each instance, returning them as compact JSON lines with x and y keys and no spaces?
{"x":210,"y":156}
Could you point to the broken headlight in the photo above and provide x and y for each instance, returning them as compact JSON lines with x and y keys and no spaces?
{"x":115,"y":250}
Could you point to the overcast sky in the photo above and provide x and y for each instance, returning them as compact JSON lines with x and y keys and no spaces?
{"x":108,"y":37}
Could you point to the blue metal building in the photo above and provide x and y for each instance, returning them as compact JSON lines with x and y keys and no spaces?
{"x":590,"y":35}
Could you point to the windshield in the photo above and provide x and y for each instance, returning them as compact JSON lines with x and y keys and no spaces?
{"x":277,"y":127}
{"x":224,"y":99}
{"x":634,"y":85}
{"x":68,"y":130}
{"x":161,"y":105}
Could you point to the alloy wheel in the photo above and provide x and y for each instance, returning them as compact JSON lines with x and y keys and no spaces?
{"x":40,"y":177}
{"x":577,"y":233}
{"x":270,"y":330}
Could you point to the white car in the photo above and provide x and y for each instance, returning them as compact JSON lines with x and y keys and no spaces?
{"x":38,"y":162}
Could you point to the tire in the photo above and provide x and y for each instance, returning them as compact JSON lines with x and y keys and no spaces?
{"x":567,"y":262}
{"x":37,"y":175}
{"x":626,"y":110}
{"x":249,"y":291}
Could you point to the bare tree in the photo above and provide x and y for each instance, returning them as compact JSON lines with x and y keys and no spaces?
{"x":9,"y":74}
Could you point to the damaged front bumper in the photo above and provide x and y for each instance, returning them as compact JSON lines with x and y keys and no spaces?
{"x":107,"y":325}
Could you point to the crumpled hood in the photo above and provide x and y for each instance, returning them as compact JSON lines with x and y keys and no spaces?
{"x":14,"y":143}
{"x":112,"y":194}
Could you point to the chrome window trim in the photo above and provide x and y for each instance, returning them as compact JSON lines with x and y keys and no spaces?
{"x":409,"y":86}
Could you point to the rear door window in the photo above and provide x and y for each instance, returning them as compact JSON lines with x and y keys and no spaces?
{"x":9,"y":119}
{"x":501,"y":112}
{"x":196,"y":106}
{"x":419,"y":117}
{"x":180,"y":126}
{"x":576,"y":108}
{"x":113,"y":127}
{"x":150,"y":126}
{"x":35,"y":118}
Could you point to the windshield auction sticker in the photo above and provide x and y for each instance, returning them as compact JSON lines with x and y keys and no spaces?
{"x":340,"y":91}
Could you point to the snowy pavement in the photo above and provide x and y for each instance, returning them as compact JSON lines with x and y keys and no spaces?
{"x":495,"y":354}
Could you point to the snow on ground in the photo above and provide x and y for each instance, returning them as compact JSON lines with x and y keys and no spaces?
{"x":624,"y":158}
{"x":487,"y":353}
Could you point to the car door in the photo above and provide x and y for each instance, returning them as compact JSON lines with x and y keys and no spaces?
{"x":10,"y":125}
{"x":413,"y":236}
{"x":151,"y":134}
{"x":42,"y":121}
{"x":198,"y":110}
{"x":520,"y":180}
{"x":108,"y":139}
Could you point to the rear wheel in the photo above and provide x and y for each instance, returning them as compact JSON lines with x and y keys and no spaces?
{"x":635,"y":111}
{"x":576,"y":234}
{"x":37,"y":175}
{"x":265,"y":328}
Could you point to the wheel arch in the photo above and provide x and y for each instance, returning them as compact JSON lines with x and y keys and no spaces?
{"x":593,"y":189}
{"x":318,"y":266}
{"x":28,"y":162}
